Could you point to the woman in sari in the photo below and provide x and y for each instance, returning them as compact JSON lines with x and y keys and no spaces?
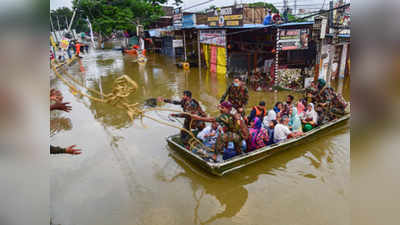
{"x":295,"y":122}
{"x":258,"y":136}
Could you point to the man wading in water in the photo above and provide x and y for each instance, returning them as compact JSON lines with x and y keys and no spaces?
{"x":238,"y":95}
{"x":189,"y":105}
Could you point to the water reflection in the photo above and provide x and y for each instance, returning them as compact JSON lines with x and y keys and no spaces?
{"x":230,"y":190}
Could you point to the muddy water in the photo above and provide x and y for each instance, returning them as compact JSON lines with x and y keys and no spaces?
{"x":128,"y":175}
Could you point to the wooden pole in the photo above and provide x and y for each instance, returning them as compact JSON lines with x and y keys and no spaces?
{"x":184,"y":45}
{"x":277,"y":48}
{"x":198,"y":47}
{"x":73,"y":16}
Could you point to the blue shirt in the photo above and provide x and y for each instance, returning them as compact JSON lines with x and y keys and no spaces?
{"x":267,"y":19}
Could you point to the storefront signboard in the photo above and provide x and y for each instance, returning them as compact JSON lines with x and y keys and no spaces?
{"x":189,"y":20}
{"x":228,"y":16}
{"x":177,"y":43}
{"x":213,"y":37}
{"x":293,"y":39}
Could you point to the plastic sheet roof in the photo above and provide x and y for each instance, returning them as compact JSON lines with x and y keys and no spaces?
{"x":250,"y":26}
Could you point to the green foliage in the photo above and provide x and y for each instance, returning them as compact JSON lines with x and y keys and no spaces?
{"x":265,"y":5}
{"x":63,"y":14}
{"x":292,"y":18}
{"x":108,"y":16}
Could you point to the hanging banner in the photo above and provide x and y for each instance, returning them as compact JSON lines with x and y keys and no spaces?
{"x":213,"y":37}
{"x":213,"y":59}
{"x":228,"y":16}
{"x":205,"y":50}
{"x":221,"y":60}
{"x":293,"y":39}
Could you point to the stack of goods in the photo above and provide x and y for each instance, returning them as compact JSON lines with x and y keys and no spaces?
{"x":290,"y":79}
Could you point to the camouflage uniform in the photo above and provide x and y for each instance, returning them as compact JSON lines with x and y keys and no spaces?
{"x":193,"y":107}
{"x":230,"y":133}
{"x":338,"y":105}
{"x":237,"y":96}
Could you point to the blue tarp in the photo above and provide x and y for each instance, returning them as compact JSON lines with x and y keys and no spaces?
{"x":250,"y":26}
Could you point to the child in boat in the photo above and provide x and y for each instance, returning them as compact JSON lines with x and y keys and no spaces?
{"x":270,"y":130}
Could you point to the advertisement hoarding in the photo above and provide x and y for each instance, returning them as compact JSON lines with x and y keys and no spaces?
{"x":228,"y":16}
{"x":293,"y":39}
{"x":213,"y":37}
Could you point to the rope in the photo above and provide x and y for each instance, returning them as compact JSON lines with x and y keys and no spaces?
{"x":123,"y":87}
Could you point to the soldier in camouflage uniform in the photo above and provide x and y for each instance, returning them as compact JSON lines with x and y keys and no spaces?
{"x":230,"y":127}
{"x":189,"y":105}
{"x":238,"y":95}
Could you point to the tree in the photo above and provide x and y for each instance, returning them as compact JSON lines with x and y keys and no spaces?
{"x":265,"y":5}
{"x":108,"y":16}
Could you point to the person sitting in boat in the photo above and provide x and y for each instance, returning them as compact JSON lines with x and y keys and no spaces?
{"x":281,"y":130}
{"x":209,"y":135}
{"x":258,"y":111}
{"x":189,"y":105}
{"x":270,"y":116}
{"x":339,"y":105}
{"x":287,"y":106}
{"x":270,"y":130}
{"x":229,"y":127}
{"x":258,"y":136}
{"x":295,"y":122}
{"x":301,"y":107}
{"x":310,"y":118}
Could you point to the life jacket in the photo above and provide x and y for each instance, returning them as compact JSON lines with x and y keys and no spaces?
{"x":259,"y":113}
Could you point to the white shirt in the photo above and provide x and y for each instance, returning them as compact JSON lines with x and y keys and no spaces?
{"x":281,"y":132}
{"x":270,"y":116}
{"x":208,"y":140}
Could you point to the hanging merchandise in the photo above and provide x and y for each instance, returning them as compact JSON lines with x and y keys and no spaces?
{"x":221,"y":60}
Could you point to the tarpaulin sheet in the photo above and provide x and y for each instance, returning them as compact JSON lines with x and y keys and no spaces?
{"x":221,"y":60}
{"x":213,"y":60}
{"x":205,"y":49}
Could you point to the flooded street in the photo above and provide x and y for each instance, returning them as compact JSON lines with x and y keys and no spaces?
{"x":127,"y":174}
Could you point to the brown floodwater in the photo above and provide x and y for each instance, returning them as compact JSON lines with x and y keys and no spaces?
{"x":128,"y":175}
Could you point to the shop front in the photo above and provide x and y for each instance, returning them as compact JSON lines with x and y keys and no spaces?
{"x":294,"y":58}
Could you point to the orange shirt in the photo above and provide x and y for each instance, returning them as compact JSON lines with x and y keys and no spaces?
{"x":78,"y":48}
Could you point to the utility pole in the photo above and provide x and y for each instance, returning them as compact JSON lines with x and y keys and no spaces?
{"x":51,"y":23}
{"x":58,"y":22}
{"x":91,"y":32}
{"x":295,"y":7}
{"x":73,"y":16}
{"x":199,"y":48}
{"x":66,"y":21}
{"x":331,"y":49}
